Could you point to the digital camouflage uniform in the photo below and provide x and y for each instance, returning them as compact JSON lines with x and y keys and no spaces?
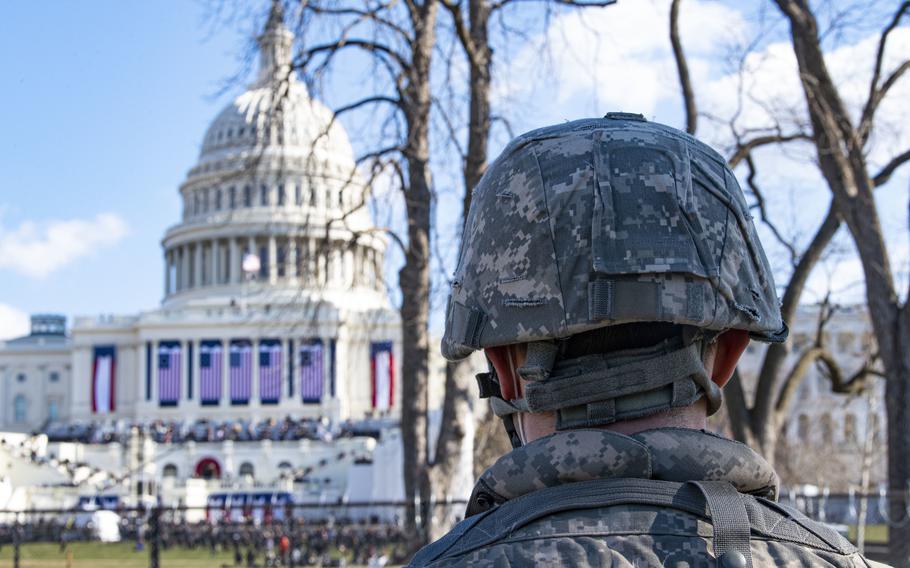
{"x":633,"y":534}
{"x":597,"y":223}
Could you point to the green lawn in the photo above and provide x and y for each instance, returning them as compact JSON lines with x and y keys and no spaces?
{"x":874,"y":533}
{"x":118,"y":555}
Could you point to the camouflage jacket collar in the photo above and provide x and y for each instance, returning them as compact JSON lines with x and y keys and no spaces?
{"x":667,"y":454}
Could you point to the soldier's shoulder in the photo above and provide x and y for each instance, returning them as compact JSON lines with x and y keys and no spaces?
{"x":642,"y":535}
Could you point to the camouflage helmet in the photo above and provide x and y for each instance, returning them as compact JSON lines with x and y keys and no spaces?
{"x":600,"y":222}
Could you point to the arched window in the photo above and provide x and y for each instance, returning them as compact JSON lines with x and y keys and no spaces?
{"x":850,"y":428}
{"x":232,"y":198}
{"x":247,"y":196}
{"x":802,"y":429}
{"x":827,"y":429}
{"x":876,"y":429}
{"x":247,"y":470}
{"x":170,"y":470}
{"x":281,"y":195}
{"x":298,"y":195}
{"x":217,"y":200}
{"x":20,"y":409}
{"x":263,"y":195}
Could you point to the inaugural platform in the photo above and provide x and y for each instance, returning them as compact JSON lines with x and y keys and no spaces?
{"x":273,"y":359}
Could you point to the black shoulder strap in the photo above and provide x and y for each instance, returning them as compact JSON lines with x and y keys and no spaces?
{"x":496,"y":524}
{"x":436,"y":549}
{"x":732,"y":528}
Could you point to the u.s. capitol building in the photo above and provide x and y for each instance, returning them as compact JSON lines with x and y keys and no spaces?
{"x":275,"y":324}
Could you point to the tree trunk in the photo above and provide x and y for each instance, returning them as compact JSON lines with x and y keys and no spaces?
{"x":414,"y":276}
{"x":479,"y":59}
{"x":455,"y":433}
{"x":842,"y":162}
{"x":897,"y":401}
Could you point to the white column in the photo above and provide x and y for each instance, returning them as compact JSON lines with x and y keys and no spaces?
{"x":273,"y":260}
{"x":167,"y":273}
{"x":225,"y":374}
{"x":185,"y":265}
{"x":311,"y":261}
{"x":327,"y":375}
{"x":254,"y":390}
{"x":184,"y":374}
{"x":215,"y":277}
{"x":153,"y":400}
{"x":251,"y":247}
{"x":323,"y":265}
{"x":197,"y":268}
{"x":234,"y":261}
{"x":291,"y":258}
{"x":196,"y":379}
{"x":357,"y":267}
{"x":349,"y":268}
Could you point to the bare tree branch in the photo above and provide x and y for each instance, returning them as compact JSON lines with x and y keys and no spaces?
{"x":576,"y":3}
{"x":882,"y":177}
{"x":363,"y":15}
{"x":682,"y":68}
{"x":752,"y":184}
{"x":738,"y":409}
{"x":461,"y":27}
{"x":876,"y":93}
{"x":743,"y":149}
{"x":364,"y":102}
{"x":334,"y":47}
{"x":794,"y":378}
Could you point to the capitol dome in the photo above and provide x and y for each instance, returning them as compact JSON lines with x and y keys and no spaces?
{"x":296,"y":124}
{"x":276,"y":179}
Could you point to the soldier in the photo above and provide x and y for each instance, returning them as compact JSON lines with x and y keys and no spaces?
{"x":611,"y":273}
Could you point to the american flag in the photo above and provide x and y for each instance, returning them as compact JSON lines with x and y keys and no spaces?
{"x":211,"y":363}
{"x":269,"y":370}
{"x":241,"y":373}
{"x":103,"y":375}
{"x":382,"y":367}
{"x":311,"y":375}
{"x":169,"y":367}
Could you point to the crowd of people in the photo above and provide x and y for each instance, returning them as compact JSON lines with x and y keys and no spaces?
{"x":290,"y":543}
{"x":206,"y":430}
{"x":25,"y":449}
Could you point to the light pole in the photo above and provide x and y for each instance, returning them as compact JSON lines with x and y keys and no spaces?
{"x":250,"y":266}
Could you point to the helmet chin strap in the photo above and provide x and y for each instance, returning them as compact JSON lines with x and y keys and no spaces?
{"x":597,"y":390}
{"x":490,"y":387}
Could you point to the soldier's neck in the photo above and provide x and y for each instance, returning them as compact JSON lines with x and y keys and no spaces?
{"x":695,"y":417}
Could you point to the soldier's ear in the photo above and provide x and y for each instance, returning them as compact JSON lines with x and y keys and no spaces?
{"x":504,"y":360}
{"x":729,"y":348}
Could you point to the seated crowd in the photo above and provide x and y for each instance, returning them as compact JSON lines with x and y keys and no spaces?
{"x":206,"y":430}
{"x":294,"y":542}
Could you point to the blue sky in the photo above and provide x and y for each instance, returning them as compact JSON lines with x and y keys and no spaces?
{"x":105,"y":104}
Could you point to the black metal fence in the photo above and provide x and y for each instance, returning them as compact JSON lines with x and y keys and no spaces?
{"x":250,"y":536}
{"x":314,"y":534}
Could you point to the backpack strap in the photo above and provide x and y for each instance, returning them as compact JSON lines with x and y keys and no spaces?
{"x":732,"y":528}
{"x":436,"y":549}
{"x":498,"y":523}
